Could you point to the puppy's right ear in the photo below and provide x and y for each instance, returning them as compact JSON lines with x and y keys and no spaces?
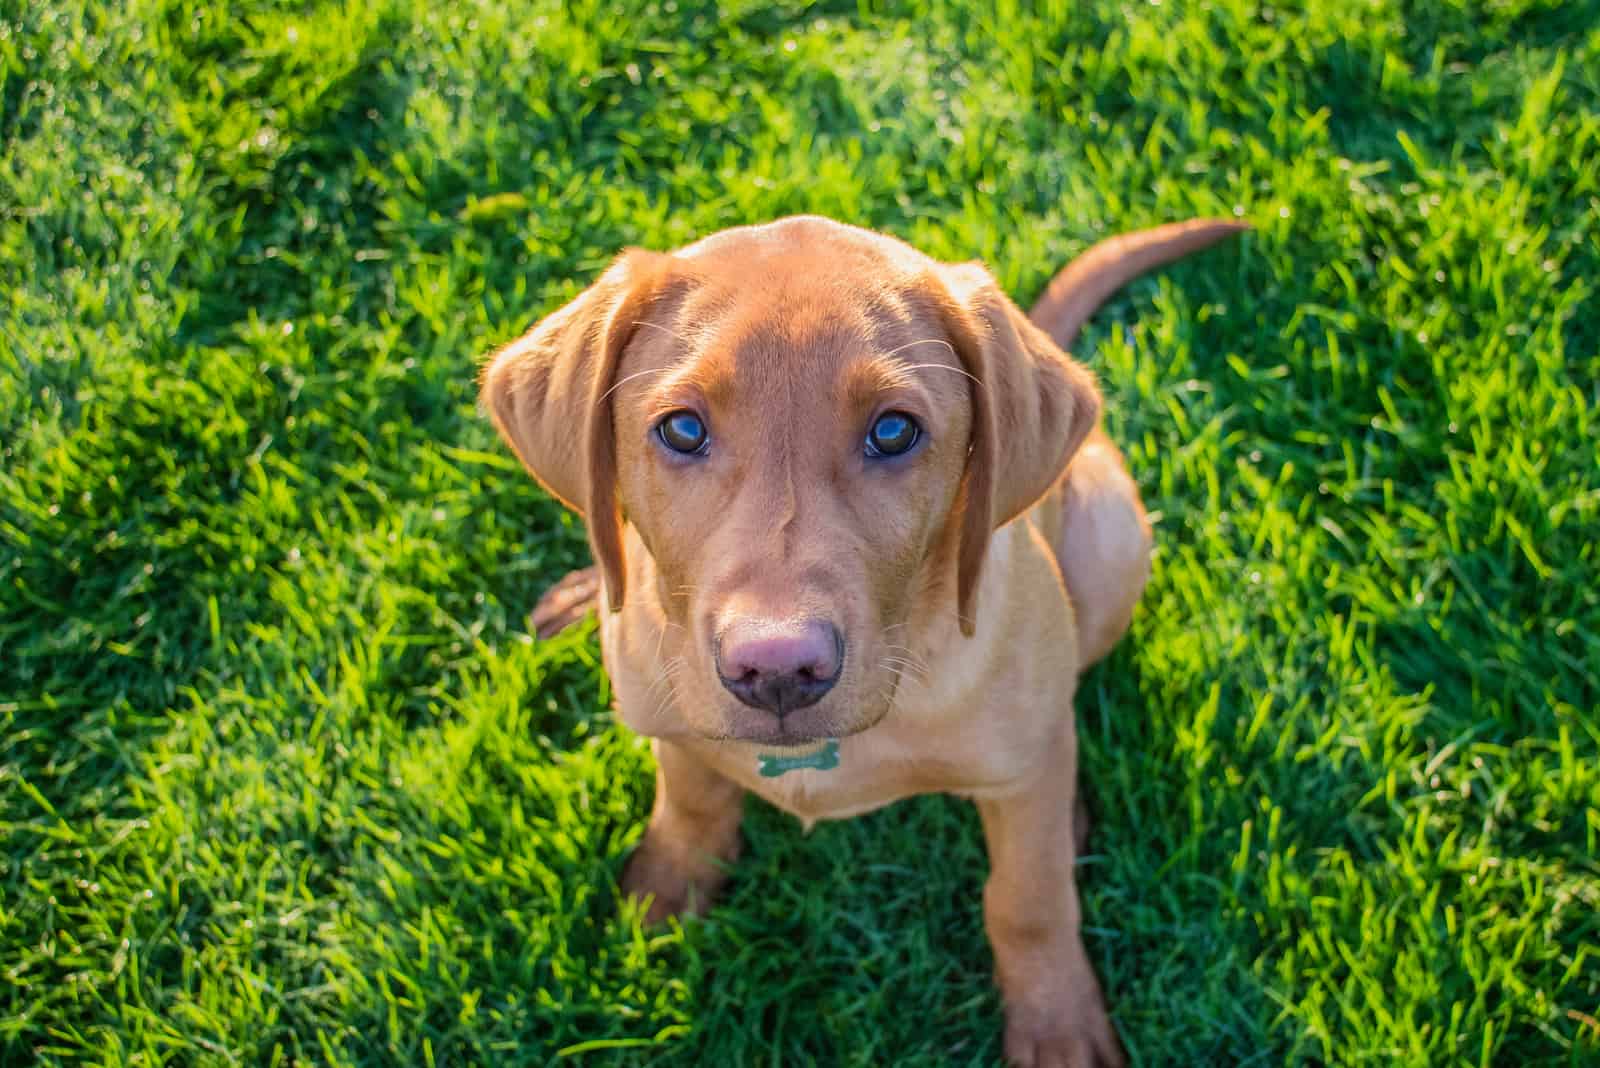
{"x":547,"y":394}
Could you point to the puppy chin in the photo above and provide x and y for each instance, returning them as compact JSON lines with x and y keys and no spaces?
{"x":802,"y":729}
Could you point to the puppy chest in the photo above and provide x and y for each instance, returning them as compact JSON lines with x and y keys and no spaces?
{"x":873,"y":771}
{"x":809,"y":796}
{"x":849,"y":789}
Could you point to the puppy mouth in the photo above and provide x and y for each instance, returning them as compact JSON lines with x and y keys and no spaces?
{"x":787,"y":741}
{"x":798,"y":730}
{"x":787,"y":736}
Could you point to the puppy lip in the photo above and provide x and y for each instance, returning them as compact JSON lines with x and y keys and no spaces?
{"x":785,"y":736}
{"x":797,"y":741}
{"x":776,"y":736}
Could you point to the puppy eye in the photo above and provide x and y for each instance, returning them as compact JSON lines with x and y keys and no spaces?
{"x":892,"y":434}
{"x":684,"y":432}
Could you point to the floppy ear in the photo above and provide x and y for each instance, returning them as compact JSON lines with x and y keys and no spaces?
{"x":547,"y":394}
{"x":1032,"y":407}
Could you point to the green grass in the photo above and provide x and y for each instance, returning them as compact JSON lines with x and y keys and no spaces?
{"x":283,"y":779}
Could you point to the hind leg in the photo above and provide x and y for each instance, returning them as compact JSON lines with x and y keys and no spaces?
{"x":1104,"y":547}
{"x":566,"y":603}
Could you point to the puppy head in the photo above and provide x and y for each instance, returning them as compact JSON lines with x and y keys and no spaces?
{"x":814,"y":431}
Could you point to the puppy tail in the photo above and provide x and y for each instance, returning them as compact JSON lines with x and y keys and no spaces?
{"x":1085,"y":283}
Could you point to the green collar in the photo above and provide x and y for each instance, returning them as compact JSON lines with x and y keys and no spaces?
{"x":825,"y":759}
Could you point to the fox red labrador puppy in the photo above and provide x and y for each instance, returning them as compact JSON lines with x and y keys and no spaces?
{"x":857,"y":532}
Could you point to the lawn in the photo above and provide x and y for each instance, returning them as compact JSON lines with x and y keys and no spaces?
{"x":284,"y":780}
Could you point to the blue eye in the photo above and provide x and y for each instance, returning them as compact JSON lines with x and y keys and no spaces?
{"x":683,"y":432}
{"x":892,"y":434}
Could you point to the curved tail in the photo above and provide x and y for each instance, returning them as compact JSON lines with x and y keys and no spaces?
{"x":1085,"y":283}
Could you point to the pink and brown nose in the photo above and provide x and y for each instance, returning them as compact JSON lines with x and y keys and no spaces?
{"x":779,"y":666}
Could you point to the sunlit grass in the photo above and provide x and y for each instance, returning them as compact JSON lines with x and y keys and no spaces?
{"x":283,"y":780}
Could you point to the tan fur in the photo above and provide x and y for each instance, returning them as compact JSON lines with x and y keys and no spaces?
{"x":972,"y":580}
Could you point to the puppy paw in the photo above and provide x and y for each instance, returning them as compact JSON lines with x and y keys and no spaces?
{"x":672,"y":883}
{"x":1078,"y":1036}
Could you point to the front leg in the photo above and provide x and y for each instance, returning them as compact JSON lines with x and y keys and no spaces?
{"x":693,"y":836}
{"x":1055,"y":1013}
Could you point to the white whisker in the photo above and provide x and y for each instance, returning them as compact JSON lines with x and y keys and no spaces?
{"x":911,"y":655}
{"x":661,"y":639}
{"x":670,"y":694}
{"x":667,"y":670}
{"x":894,"y":689}
{"x":629,"y":378}
{"x":944,"y":367}
{"x":664,"y":330}
{"x":924,"y":341}
{"x":906,"y":667}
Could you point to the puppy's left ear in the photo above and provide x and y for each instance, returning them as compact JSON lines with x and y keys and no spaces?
{"x":1032,"y":407}
{"x":547,"y":393}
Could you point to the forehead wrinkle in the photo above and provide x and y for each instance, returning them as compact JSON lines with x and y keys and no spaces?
{"x":795,"y":337}
{"x":788,"y":332}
